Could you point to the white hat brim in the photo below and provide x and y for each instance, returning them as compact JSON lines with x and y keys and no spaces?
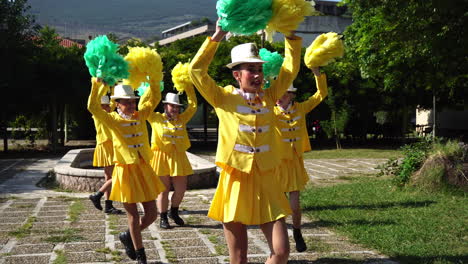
{"x":125,"y":97}
{"x":253,"y":60}
{"x":167,"y":102}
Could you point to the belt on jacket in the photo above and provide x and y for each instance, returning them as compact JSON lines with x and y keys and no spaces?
{"x":131,"y":124}
{"x":247,"y":110}
{"x":291,"y":139}
{"x":174,"y":128}
{"x":172,"y":136}
{"x":133,"y":135}
{"x":292,"y":120}
{"x":290,"y":129}
{"x":249,"y":149}
{"x":247,"y":128}
{"x":136,"y":145}
{"x":288,"y":112}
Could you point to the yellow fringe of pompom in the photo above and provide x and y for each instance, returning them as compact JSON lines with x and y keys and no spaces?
{"x":144,"y":63}
{"x":181,"y":77}
{"x":287,"y":15}
{"x":323,"y":50}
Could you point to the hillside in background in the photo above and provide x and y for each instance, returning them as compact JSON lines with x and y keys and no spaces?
{"x":126,"y":18}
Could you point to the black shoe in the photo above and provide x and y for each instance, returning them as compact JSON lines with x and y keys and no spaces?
{"x":113,"y":210}
{"x":96,"y":199}
{"x":141,"y":256}
{"x":127,"y":242}
{"x":164,"y":223}
{"x":300,"y":244}
{"x":174,"y":215}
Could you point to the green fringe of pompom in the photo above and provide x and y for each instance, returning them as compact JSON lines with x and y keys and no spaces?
{"x":274,"y":60}
{"x":103,"y":61}
{"x":244,"y":16}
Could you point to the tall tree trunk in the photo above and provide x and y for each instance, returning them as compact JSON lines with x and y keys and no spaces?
{"x":65,"y":125}
{"x":404,"y":121}
{"x":5,"y":132}
{"x":337,"y":136}
{"x":61,"y":124}
{"x":434,"y":124}
{"x":54,"y":124}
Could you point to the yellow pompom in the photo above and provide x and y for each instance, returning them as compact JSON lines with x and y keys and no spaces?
{"x":181,"y":77}
{"x":323,"y":50}
{"x":287,"y":15}
{"x":144,"y":63}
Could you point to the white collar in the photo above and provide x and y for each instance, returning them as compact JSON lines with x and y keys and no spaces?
{"x":250,"y":96}
{"x":124,"y":116}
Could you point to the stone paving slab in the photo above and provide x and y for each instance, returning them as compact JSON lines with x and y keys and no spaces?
{"x":35,"y":227}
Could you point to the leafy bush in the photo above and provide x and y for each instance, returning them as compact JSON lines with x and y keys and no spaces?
{"x":413,"y":157}
{"x":28,"y":128}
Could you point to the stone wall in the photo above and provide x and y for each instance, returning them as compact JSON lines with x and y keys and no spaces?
{"x":75,"y":172}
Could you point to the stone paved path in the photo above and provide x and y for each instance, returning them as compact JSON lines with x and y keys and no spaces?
{"x":41,"y":226}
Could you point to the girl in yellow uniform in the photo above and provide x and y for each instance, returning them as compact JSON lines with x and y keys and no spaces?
{"x":134,"y":181}
{"x":103,"y":157}
{"x":247,"y":192}
{"x":291,"y":124}
{"x":169,"y":141}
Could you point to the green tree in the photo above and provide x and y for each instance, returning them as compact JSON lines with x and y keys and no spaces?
{"x":340,"y":114}
{"x":412,"y":49}
{"x":61,"y":82}
{"x":16,"y":31}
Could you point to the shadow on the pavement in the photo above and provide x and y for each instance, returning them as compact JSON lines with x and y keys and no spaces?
{"x":213,"y":226}
{"x":194,"y":212}
{"x":414,"y":204}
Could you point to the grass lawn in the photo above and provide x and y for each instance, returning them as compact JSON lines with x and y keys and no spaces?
{"x":353,"y":153}
{"x":407,"y":225}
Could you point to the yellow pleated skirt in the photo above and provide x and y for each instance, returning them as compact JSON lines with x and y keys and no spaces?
{"x":173,"y":163}
{"x":249,"y":198}
{"x":135,"y":183}
{"x":292,"y":174}
{"x":103,"y":154}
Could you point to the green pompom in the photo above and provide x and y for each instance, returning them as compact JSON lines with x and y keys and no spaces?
{"x":244,"y":16}
{"x":161,"y":86}
{"x":274,"y":60}
{"x":103,"y":61}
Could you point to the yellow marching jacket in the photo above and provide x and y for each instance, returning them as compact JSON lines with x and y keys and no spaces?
{"x":130,"y":137}
{"x":168,"y":133}
{"x":103,"y":134}
{"x":246,"y":127}
{"x":291,"y":122}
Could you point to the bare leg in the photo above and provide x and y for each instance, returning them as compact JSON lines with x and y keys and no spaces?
{"x":150,"y":214}
{"x":277,"y":236}
{"x":134,"y":224}
{"x":107,"y":186}
{"x":180,"y":186}
{"x":294,"y":202}
{"x":236,"y":238}
{"x":163,"y":196}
